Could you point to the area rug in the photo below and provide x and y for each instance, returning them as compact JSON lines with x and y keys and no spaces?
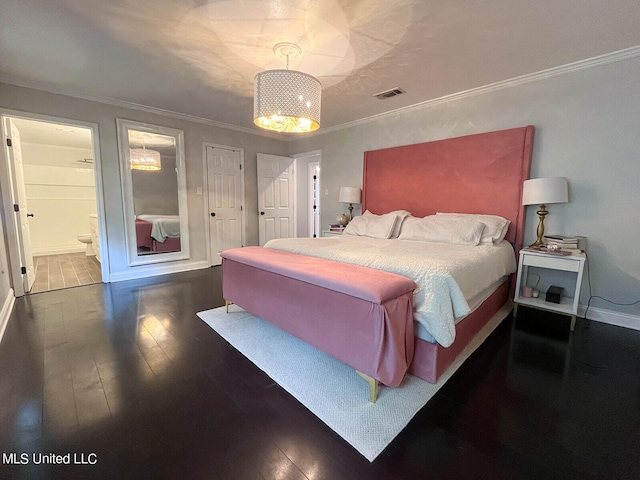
{"x":330,"y":389}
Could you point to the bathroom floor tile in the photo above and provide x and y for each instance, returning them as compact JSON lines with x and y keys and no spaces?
{"x":54,"y":272}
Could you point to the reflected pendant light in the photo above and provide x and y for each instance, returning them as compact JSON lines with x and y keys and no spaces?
{"x":286,"y":100}
{"x":143,"y":159}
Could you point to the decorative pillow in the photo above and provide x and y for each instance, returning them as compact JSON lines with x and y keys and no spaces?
{"x":495,"y":227}
{"x":402,"y":214}
{"x":457,"y":231}
{"x":372,"y":226}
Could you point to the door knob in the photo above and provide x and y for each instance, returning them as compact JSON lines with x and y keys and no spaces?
{"x":261,"y":213}
{"x":30,"y":215}
{"x":213,"y":214}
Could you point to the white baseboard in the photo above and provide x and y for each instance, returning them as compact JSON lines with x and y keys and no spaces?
{"x":38,"y":252}
{"x":5,"y":312}
{"x":610,"y":317}
{"x":157,"y":269}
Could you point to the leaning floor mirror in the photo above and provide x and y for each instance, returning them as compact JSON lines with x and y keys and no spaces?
{"x":154,"y":192}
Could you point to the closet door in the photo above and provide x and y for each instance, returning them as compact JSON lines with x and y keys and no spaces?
{"x":224,"y":180}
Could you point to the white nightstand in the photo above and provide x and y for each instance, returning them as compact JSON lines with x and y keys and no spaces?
{"x":574,"y":264}
{"x":329,"y":233}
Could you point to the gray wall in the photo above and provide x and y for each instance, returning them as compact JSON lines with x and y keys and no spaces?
{"x":39,"y":102}
{"x":587,"y":122}
{"x":587,"y":125}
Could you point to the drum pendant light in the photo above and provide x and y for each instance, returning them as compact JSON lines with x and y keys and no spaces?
{"x":286,"y":100}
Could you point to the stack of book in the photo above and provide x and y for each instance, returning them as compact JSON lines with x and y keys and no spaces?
{"x":562,"y":242}
{"x":334,"y":227}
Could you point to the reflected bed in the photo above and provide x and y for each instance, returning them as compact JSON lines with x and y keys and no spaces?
{"x":158,"y":233}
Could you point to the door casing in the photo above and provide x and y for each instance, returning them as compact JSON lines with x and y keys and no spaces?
{"x":13,"y":248}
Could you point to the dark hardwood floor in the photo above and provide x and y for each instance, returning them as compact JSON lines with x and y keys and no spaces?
{"x":125,"y":375}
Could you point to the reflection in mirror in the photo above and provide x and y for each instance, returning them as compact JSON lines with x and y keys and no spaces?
{"x":154,"y":192}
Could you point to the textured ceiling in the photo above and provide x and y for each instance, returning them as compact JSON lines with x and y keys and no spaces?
{"x":199,"y":58}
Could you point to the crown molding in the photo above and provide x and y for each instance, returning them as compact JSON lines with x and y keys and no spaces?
{"x":8,"y":79}
{"x":604,"y":59}
{"x":617,"y":56}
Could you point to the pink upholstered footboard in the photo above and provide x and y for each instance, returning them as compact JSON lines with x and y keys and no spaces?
{"x":143,"y":233}
{"x":169,"y":245}
{"x":361,"y":316}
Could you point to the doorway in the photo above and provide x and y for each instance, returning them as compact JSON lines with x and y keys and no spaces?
{"x":55,"y":231}
{"x":288,"y":196}
{"x":308,"y":194}
{"x":313,"y":199}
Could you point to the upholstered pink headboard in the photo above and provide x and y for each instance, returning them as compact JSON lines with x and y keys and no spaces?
{"x":480,"y":173}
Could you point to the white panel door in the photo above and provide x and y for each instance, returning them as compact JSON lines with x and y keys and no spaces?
{"x":276,"y":197}
{"x":224,"y":179}
{"x":20,"y":199}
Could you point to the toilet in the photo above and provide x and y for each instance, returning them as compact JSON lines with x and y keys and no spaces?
{"x":86,"y":239}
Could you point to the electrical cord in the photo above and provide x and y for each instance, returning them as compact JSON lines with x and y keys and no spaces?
{"x":582,"y":346}
{"x":592,"y":296}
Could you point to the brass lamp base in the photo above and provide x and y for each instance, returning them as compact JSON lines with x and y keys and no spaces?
{"x":540,"y":231}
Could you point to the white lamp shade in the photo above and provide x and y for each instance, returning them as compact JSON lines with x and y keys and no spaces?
{"x":542,"y":191}
{"x":286,"y":101}
{"x":349,"y":195}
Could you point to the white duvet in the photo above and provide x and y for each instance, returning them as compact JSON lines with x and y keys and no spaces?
{"x":446,"y":274}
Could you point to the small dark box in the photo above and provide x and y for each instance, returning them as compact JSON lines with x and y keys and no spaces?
{"x":554,"y":294}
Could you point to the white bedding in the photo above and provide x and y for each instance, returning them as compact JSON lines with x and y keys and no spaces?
{"x":447,"y":275}
{"x":163,"y":226}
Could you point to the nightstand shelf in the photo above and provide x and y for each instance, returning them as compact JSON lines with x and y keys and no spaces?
{"x":331,"y":233}
{"x":573,"y":265}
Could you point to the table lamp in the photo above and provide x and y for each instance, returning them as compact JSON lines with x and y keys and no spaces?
{"x":349,"y":195}
{"x":542,"y":191}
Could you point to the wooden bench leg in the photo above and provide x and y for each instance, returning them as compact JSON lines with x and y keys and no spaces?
{"x":226,"y":304}
{"x":373,"y":386}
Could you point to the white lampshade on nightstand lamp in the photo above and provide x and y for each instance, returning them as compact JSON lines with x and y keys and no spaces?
{"x":542,"y":191}
{"x":350,"y":195}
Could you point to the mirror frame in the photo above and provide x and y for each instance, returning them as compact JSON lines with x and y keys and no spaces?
{"x":124,"y":126}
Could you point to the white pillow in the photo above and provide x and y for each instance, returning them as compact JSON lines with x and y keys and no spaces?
{"x":399,"y":213}
{"x":372,"y":226}
{"x":495,"y":227}
{"x":457,"y":231}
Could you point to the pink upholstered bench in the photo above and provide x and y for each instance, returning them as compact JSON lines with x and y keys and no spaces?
{"x":361,"y":316}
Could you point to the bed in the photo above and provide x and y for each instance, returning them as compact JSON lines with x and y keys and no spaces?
{"x":158,"y":233}
{"x":476,"y":174}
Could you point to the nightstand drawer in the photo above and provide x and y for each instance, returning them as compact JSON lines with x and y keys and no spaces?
{"x":556,"y":263}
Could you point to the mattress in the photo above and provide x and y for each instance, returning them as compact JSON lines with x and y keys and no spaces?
{"x":447,"y":275}
{"x":474,"y":303}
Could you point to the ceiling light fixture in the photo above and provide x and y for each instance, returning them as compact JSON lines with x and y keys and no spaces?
{"x":286,"y":100}
{"x":143,"y":159}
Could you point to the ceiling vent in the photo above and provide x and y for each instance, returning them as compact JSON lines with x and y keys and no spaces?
{"x":389,"y":93}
